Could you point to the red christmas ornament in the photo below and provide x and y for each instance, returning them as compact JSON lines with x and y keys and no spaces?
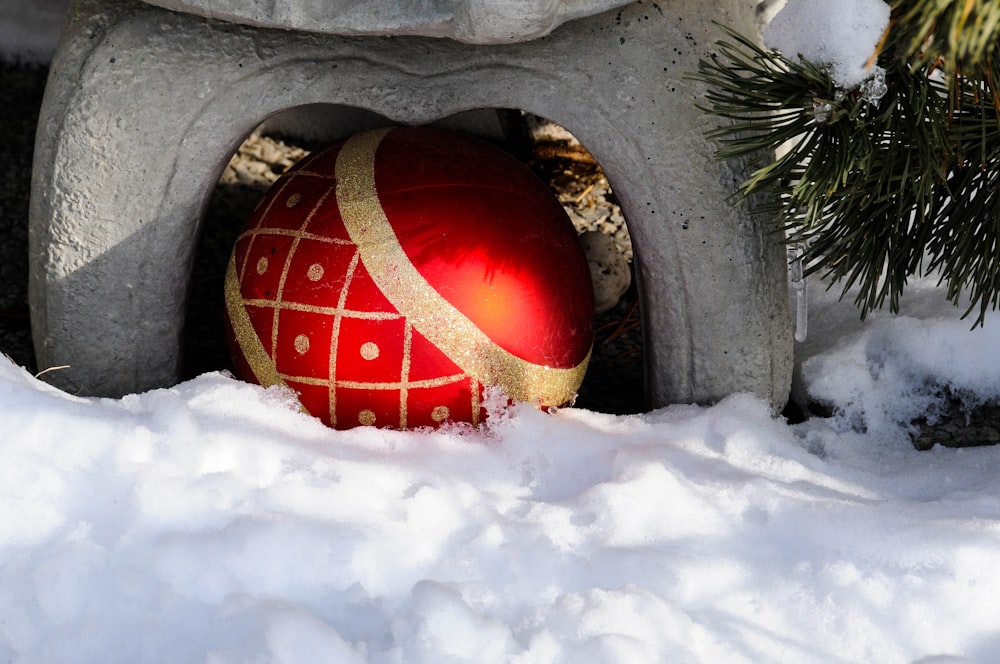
{"x":389,"y":278}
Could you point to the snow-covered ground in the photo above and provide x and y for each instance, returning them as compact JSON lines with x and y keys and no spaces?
{"x":214,"y":522}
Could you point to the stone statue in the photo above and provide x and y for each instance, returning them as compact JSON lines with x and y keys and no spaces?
{"x":145,"y":106}
{"x":468,"y":21}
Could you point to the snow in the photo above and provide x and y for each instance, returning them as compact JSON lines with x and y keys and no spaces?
{"x":214,"y":522}
{"x":841,"y":34}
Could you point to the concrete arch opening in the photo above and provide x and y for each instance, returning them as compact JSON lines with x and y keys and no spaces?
{"x":144,"y":106}
{"x":614,"y":381}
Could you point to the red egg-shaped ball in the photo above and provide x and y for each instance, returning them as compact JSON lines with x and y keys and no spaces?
{"x":390,"y":278}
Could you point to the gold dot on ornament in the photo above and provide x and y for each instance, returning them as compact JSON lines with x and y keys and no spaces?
{"x":366,"y":417}
{"x":293,"y":200}
{"x":302,"y":344}
{"x":262,"y":265}
{"x":315,"y":272}
{"x":369,"y":350}
{"x":440,"y":413}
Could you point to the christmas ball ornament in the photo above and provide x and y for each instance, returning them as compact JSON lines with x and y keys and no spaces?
{"x":389,"y":279}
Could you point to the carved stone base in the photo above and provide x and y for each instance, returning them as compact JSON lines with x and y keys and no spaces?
{"x":144,"y":107}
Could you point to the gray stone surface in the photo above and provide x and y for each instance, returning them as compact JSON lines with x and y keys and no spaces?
{"x":145,"y":106}
{"x":468,"y":21}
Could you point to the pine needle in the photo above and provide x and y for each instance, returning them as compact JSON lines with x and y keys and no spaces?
{"x":877,"y":191}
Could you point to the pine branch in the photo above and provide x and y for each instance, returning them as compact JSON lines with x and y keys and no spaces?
{"x":961,"y":36}
{"x":876,"y":192}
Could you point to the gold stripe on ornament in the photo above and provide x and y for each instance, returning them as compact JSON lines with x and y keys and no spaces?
{"x":280,"y":295}
{"x":382,"y":385}
{"x":325,"y":311}
{"x":404,"y":373}
{"x":288,"y":232}
{"x":476,"y":403}
{"x":260,"y":220}
{"x":246,"y":337}
{"x":430,"y":313}
{"x":352,"y":268}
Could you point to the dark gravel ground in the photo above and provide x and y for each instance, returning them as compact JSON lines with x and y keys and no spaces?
{"x":21,"y":89}
{"x":614,"y":379}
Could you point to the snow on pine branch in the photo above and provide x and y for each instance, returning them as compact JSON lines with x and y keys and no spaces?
{"x":841,"y":34}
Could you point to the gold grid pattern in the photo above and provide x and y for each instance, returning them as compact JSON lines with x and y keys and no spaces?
{"x":261,"y":359}
{"x":377,"y":254}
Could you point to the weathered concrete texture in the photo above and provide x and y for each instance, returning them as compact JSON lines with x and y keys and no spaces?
{"x":468,"y":21}
{"x":144,"y":107}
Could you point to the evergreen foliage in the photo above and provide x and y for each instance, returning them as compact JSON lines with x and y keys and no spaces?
{"x":897,"y":177}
